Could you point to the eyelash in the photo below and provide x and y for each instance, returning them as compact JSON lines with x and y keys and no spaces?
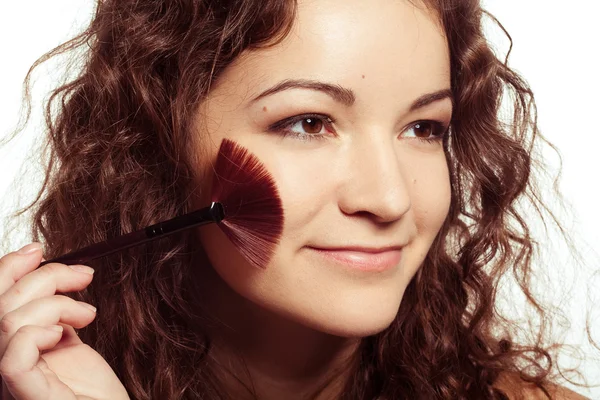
{"x":439,"y":129}
{"x":284,"y":126}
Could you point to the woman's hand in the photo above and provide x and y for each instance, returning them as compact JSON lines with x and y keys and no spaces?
{"x":41,"y":356}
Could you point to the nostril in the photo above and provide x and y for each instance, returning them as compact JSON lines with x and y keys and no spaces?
{"x":381,"y":215}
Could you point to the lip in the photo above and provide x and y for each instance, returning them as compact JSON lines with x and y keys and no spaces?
{"x":366,"y":259}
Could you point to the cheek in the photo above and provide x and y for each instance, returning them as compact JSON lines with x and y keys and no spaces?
{"x":304,"y":190}
{"x":430,"y":197}
{"x":305,"y":183}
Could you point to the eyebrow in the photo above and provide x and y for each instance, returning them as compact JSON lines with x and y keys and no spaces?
{"x":429,"y":98}
{"x":337,"y":92}
{"x":344,"y":95}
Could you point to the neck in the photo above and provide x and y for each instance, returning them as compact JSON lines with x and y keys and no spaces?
{"x":264,"y":355}
{"x":303,"y":373}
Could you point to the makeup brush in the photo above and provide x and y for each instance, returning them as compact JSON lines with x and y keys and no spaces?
{"x":245,"y":205}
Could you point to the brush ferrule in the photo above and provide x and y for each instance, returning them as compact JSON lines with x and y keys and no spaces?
{"x":217,"y":211}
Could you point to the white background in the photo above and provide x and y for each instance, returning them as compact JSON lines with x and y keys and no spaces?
{"x":556,"y":47}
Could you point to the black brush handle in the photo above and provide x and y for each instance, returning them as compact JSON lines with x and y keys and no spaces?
{"x":212,"y":214}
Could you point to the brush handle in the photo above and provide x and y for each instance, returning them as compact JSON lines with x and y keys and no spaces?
{"x":214,"y":213}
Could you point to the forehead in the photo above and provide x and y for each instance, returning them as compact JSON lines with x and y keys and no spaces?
{"x":389,"y":44}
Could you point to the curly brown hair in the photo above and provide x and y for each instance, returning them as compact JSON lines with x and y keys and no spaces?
{"x":118,"y":161}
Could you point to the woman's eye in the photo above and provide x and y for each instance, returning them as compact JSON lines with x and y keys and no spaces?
{"x":309,"y":125}
{"x":427,"y":130}
{"x":312,"y":126}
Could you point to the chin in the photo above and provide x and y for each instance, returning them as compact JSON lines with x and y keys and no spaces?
{"x":355,"y":327}
{"x":360,"y":331}
{"x":352,"y":322}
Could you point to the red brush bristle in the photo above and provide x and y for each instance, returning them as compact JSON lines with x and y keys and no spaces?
{"x":253,"y":210}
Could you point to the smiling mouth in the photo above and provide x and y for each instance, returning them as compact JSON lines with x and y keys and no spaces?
{"x":362,"y":258}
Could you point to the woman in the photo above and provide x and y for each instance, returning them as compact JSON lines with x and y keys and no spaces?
{"x":378,"y":121}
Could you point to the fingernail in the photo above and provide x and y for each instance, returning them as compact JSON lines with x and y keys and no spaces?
{"x":30,"y":248}
{"x":82,"y":268}
{"x":56,"y":328}
{"x":88,"y":306}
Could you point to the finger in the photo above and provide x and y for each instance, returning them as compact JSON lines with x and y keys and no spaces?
{"x":18,"y":367}
{"x":44,"y":282}
{"x":69,"y":337}
{"x":45,"y":312}
{"x":15,"y":265}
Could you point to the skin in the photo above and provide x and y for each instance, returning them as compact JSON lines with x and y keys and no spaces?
{"x":364,"y":180}
{"x":41,"y":356}
{"x":368,"y":182}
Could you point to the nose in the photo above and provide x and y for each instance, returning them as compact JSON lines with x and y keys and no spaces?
{"x":374,"y":181}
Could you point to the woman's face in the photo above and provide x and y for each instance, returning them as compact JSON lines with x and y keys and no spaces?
{"x":347,"y":113}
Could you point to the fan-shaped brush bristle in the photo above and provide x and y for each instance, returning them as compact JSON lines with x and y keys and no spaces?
{"x":253,"y":210}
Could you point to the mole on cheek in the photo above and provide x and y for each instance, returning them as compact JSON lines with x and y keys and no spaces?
{"x":265,"y":108}
{"x":363,"y":77}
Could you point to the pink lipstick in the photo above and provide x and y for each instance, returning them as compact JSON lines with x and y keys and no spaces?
{"x":361,"y":258}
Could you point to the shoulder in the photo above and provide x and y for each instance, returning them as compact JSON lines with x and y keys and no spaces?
{"x":516,"y":388}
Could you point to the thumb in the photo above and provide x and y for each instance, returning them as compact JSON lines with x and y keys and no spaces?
{"x":69,"y":338}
